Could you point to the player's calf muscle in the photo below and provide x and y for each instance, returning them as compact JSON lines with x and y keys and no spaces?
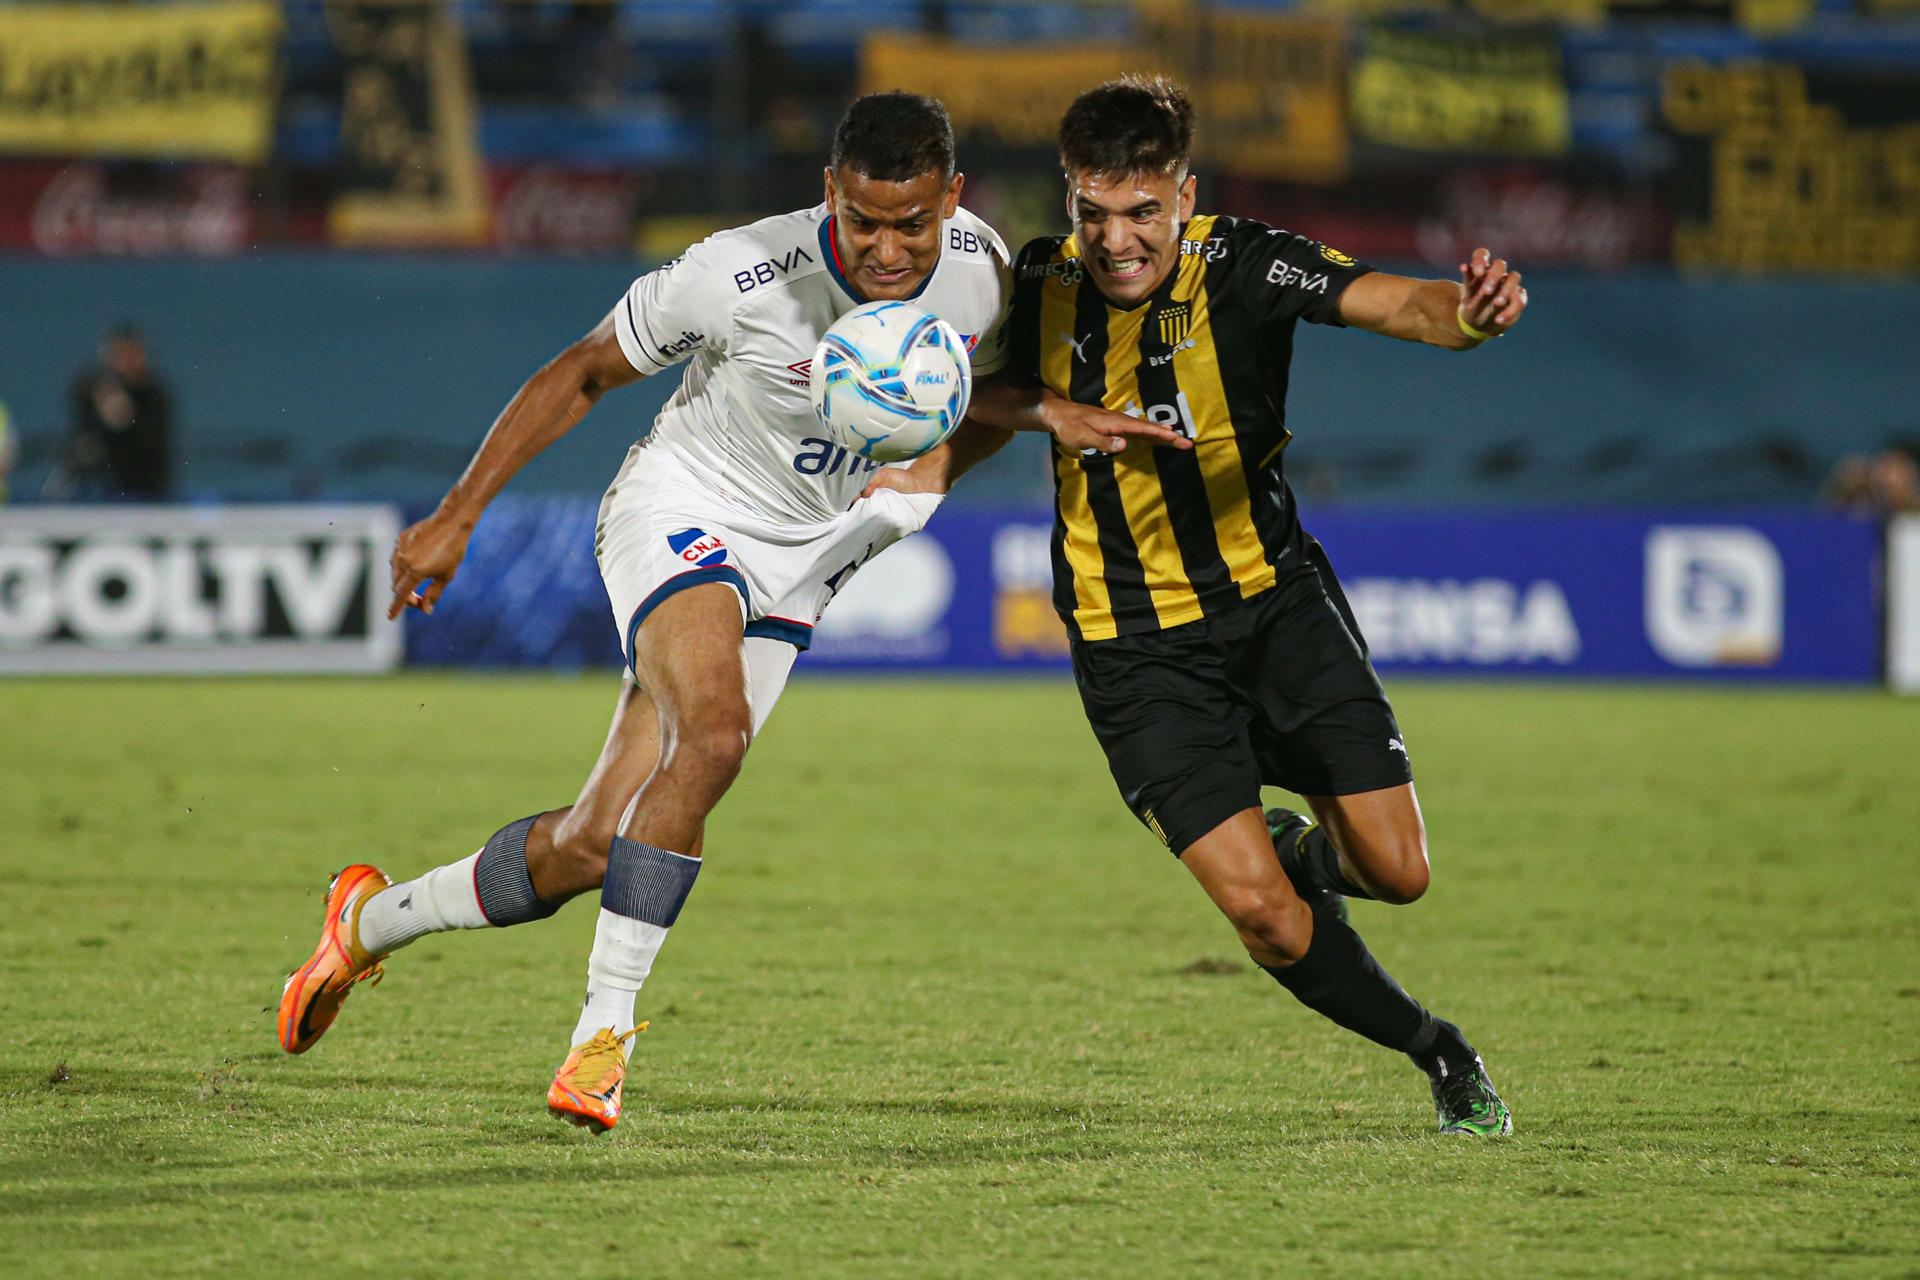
{"x":567,"y":852}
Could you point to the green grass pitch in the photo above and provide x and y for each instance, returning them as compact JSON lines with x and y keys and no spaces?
{"x":939,"y":1008}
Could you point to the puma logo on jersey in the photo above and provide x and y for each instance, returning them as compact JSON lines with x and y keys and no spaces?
{"x":1397,"y":744}
{"x":1079,"y":345}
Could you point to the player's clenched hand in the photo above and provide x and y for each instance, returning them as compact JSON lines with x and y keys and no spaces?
{"x":428,"y":552}
{"x":1086,"y":426}
{"x":1491,"y":298}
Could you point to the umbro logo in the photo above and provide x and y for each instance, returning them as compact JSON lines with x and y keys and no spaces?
{"x":802,"y":371}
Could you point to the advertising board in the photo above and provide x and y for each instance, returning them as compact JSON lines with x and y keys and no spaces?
{"x":1903,"y":604}
{"x":181,"y":589}
{"x":1720,"y":596}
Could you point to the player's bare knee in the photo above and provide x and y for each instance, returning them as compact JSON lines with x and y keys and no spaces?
{"x":1409,"y":885}
{"x":1273,"y":928}
{"x":1402,"y":875}
{"x":711,"y":748}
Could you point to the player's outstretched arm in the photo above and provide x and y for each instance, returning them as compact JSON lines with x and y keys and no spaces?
{"x":1000,"y":407}
{"x":1486,"y":303}
{"x":971,"y":443}
{"x":1003,"y":403}
{"x":543,"y":410}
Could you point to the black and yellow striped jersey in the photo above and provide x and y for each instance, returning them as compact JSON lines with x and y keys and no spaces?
{"x":1156,"y":537}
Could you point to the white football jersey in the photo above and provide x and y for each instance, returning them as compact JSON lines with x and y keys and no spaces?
{"x":746,"y":308}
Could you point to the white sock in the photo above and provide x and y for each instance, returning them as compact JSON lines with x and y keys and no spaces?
{"x":440,"y":900}
{"x":623,"y":952}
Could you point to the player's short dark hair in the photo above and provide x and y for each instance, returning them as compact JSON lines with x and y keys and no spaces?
{"x":894,"y":137}
{"x":1136,"y":124}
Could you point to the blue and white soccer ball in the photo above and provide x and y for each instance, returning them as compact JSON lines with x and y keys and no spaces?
{"x":890,"y":381}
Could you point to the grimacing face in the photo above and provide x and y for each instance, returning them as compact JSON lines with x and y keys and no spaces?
{"x":1128,"y":228}
{"x":888,"y":233}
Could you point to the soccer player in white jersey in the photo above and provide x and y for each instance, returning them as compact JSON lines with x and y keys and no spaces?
{"x":725,"y":534}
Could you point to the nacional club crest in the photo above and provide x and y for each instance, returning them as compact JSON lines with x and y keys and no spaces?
{"x":698,"y":547}
{"x":1175,"y":319}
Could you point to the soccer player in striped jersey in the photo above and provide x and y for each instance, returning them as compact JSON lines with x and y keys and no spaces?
{"x":1213,"y":648}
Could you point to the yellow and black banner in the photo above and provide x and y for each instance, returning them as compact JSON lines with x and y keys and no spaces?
{"x":1761,"y":17}
{"x":1269,"y":88}
{"x":1792,"y":184}
{"x":1481,"y":92}
{"x":409,"y":130}
{"x":1013,"y":95}
{"x":178,"y":80}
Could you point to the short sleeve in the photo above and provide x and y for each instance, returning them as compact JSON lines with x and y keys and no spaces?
{"x":670,"y":313}
{"x":1289,"y":277}
{"x":988,"y":355}
{"x":1023,"y":316}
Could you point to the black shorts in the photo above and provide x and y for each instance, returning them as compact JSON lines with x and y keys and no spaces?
{"x":1275,"y":691}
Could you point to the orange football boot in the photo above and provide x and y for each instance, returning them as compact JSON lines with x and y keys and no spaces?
{"x":315,"y":991}
{"x":586,"y":1089}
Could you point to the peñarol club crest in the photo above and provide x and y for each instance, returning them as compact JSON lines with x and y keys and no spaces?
{"x":1175,"y":319}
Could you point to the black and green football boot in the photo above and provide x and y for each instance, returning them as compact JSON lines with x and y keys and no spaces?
{"x":1464,"y":1098}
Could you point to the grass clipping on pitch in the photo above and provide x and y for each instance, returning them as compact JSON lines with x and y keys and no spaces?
{"x":938,"y":1007}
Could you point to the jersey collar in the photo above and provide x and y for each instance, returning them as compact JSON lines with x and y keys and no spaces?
{"x":830,"y":254}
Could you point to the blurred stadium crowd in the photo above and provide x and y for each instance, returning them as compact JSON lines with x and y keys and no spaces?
{"x":1732,"y":188}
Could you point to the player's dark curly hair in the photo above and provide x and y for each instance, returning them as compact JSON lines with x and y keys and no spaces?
{"x":894,"y":137}
{"x":1136,"y":124}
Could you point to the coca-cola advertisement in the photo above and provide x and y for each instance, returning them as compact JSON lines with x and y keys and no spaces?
{"x":1535,"y":215}
{"x":1544,"y":219}
{"x":550,"y":209}
{"x":65,"y":209}
{"x":91,"y":207}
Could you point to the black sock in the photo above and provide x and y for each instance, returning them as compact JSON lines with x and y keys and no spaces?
{"x":1339,"y":979}
{"x":1309,"y":858}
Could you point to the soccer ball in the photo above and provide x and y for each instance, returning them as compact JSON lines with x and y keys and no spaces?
{"x":889,"y":381}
